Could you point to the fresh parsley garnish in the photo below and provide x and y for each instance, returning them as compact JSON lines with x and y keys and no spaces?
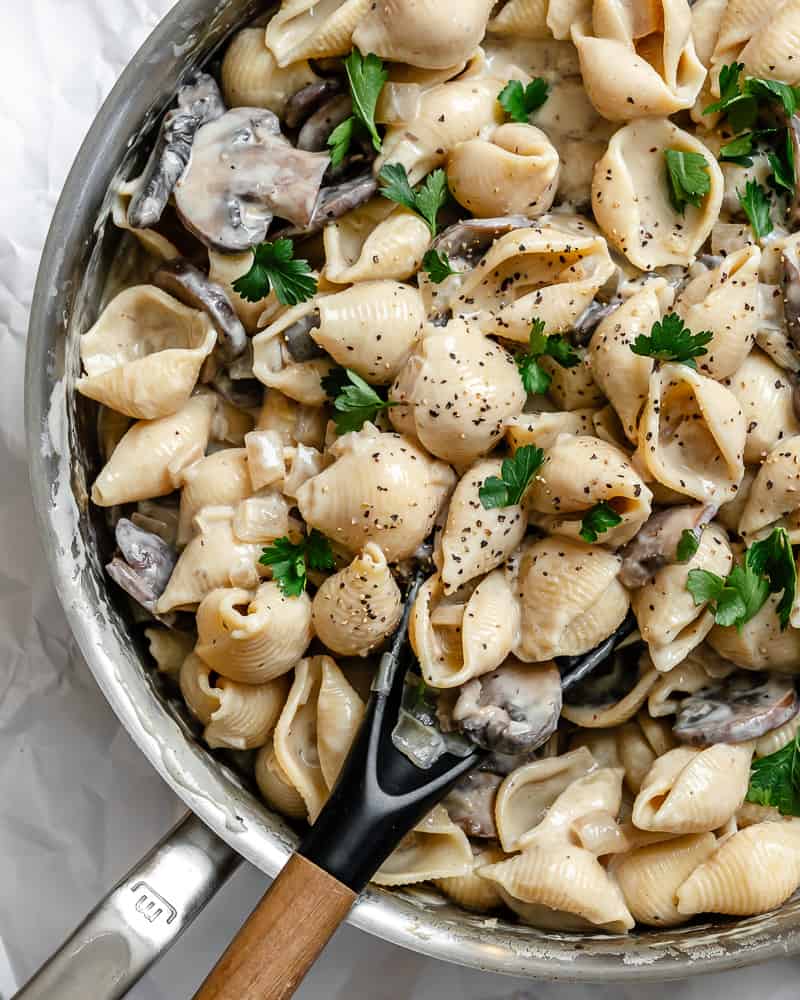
{"x":534,"y":378}
{"x":426,"y":200}
{"x":756,"y":204}
{"x":437,"y":265}
{"x":519,"y":102}
{"x":688,"y":178}
{"x":740,"y":96}
{"x":739,"y":150}
{"x":274,"y":266}
{"x":509,"y":487}
{"x":366,"y":76}
{"x":687,"y":546}
{"x":355,"y":401}
{"x":775,"y":780}
{"x":671,"y":340}
{"x":783,"y":165}
{"x":290,"y":563}
{"x":597,"y":521}
{"x":769,"y":568}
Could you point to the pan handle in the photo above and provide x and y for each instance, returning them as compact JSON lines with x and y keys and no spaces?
{"x":142,"y":916}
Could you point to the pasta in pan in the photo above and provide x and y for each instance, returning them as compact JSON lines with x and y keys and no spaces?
{"x":499,"y":297}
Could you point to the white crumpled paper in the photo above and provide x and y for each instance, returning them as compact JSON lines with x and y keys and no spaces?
{"x":78,"y":802}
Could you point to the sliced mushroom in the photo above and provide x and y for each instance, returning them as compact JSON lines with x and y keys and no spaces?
{"x":300,"y":345}
{"x":335,"y":201}
{"x":314,"y":134}
{"x":793,"y":212}
{"x":592,"y":316}
{"x":242,"y":174}
{"x":470,"y":803}
{"x":244,"y":393}
{"x":611,"y":679}
{"x":199,"y":102}
{"x":309,"y":99}
{"x":144,"y":565}
{"x":469,"y":240}
{"x":656,"y":543}
{"x":741,"y":707}
{"x":188,"y":283}
{"x":791,"y":300}
{"x":513,"y":710}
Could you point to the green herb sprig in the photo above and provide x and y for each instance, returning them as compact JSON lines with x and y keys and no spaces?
{"x":671,"y":340}
{"x":756,"y":204}
{"x":509,"y":487}
{"x":519,"y":102}
{"x":366,"y":76}
{"x":688,"y":178}
{"x":775,"y":780}
{"x":354,"y":400}
{"x":290,"y":562}
{"x":426,"y":200}
{"x":437,"y":266}
{"x":597,"y":521}
{"x":274,"y":266}
{"x":534,"y":378}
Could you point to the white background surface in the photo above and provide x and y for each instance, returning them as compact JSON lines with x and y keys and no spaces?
{"x":78,"y":803}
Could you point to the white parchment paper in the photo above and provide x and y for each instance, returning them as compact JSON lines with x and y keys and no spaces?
{"x":78,"y":802}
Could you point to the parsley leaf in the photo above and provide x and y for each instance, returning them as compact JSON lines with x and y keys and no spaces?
{"x":274,"y":266}
{"x":597,"y":521}
{"x":773,"y":90}
{"x":289,"y":562}
{"x":508,"y":489}
{"x":519,"y":102}
{"x":782,"y":163}
{"x":739,"y":150}
{"x":535,"y":379}
{"x":355,"y":401}
{"x":756,"y":204}
{"x":687,"y":546}
{"x":670,"y":340}
{"x":739,"y":98}
{"x":769,"y":568}
{"x":775,"y":780}
{"x":728,"y":87}
{"x":334,"y":382}
{"x":688,"y":176}
{"x":366,"y":75}
{"x":437,"y":265}
{"x":339,"y":140}
{"x":425,"y":201}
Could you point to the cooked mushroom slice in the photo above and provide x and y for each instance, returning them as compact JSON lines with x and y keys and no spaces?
{"x":199,"y":102}
{"x":144,"y":565}
{"x":574,"y":669}
{"x":314,"y":134}
{"x":310,"y":99}
{"x":188,"y":283}
{"x":514,"y":709}
{"x":244,"y":393}
{"x":468,"y":241}
{"x":611,"y":679}
{"x":791,"y":300}
{"x":589,"y":320}
{"x":741,"y":707}
{"x":300,"y":345}
{"x":656,"y":544}
{"x":242,"y":174}
{"x":335,"y":201}
{"x":470,"y":804}
{"x":793,"y":210}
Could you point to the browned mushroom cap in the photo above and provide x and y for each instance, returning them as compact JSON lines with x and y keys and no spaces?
{"x":741,"y":707}
{"x":314,"y":134}
{"x":656,"y":543}
{"x":144,"y":565}
{"x":242,"y":174}
{"x":469,"y":240}
{"x":791,"y":300}
{"x":199,"y":102}
{"x":793,"y":212}
{"x":514,"y":709}
{"x":188,"y":283}
{"x":470,"y":803}
{"x":310,"y":99}
{"x":299,"y":343}
{"x":334,"y":202}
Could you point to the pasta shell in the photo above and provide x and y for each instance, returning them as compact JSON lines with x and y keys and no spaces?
{"x":276,"y":368}
{"x":773,"y":498}
{"x":572,"y":388}
{"x":759,"y":644}
{"x":686,"y":678}
{"x":371,"y":327}
{"x":235,"y":716}
{"x":656,"y":68}
{"x":251,"y":77}
{"x":294,"y":423}
{"x":522,"y":19}
{"x":693,"y":791}
{"x":772,"y":50}
{"x":649,"y":877}
{"x":423,"y":33}
{"x":622,"y":375}
{"x":577,"y":474}
{"x":552,"y":270}
{"x":692,"y":435}
{"x":515,"y":172}
{"x":220,"y":479}
{"x":614,"y":714}
{"x":169,"y":648}
{"x":470,"y":891}
{"x":380,"y":488}
{"x":276,"y":789}
{"x":542,"y":429}
{"x":475,"y":540}
{"x":778,"y":738}
{"x":375,"y":242}
{"x":669,"y":620}
{"x":753,"y":871}
{"x":253,"y":638}
{"x":456,"y":391}
{"x":436,"y":848}
{"x":639,"y":743}
{"x":150,"y":459}
{"x":570,"y":598}
{"x":357,"y":608}
{"x":224,"y":270}
{"x":454,"y":640}
{"x":313,"y":29}
{"x":764,"y":393}
{"x":631,"y":202}
{"x":213,"y":558}
{"x":143,"y":356}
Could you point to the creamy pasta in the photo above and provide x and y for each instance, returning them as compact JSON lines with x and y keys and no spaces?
{"x":510,"y":291}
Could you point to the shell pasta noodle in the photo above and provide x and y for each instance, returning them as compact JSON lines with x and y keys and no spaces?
{"x":510,"y":293}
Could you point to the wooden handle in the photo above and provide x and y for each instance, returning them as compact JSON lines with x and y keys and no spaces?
{"x":283,"y":936}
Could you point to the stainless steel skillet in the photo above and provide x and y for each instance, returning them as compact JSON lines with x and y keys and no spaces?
{"x":145,"y":913}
